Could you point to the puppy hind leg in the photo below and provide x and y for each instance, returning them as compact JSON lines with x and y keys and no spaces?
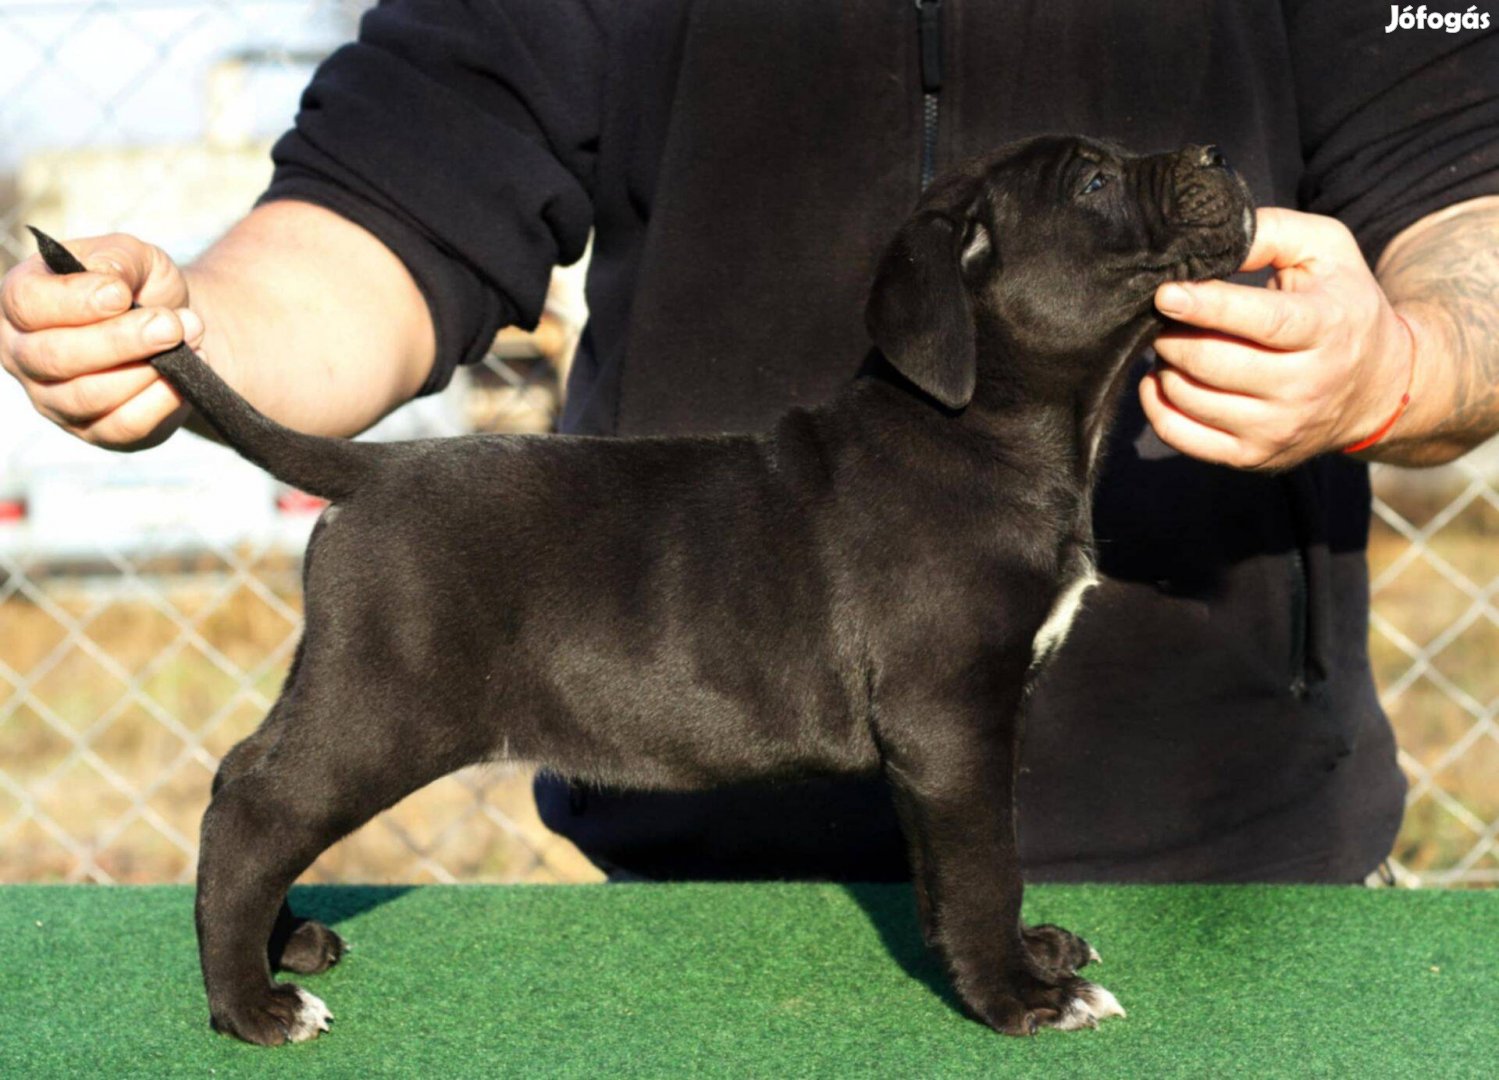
{"x":263,"y":828}
{"x":303,"y":946}
{"x":244,"y":869}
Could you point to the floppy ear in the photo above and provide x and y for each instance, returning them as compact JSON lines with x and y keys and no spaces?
{"x":919,"y":314}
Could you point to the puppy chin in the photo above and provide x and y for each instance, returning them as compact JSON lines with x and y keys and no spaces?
{"x":1218,"y":260}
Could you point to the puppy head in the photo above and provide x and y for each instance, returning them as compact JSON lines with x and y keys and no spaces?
{"x":1043,"y":251}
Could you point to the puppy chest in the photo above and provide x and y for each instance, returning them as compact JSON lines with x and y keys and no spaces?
{"x":1064,"y":609}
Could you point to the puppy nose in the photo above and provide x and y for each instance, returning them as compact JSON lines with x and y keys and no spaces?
{"x":1210,"y":157}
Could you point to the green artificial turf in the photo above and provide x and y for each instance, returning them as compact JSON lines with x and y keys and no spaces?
{"x":766,"y":981}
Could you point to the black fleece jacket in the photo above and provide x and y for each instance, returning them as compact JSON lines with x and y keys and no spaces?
{"x":740,"y":163}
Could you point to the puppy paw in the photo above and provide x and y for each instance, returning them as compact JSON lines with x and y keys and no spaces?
{"x":282,"y":1013}
{"x":1084,"y":1005}
{"x":1056,"y":952}
{"x":311,"y":949}
{"x":1068,"y":1006}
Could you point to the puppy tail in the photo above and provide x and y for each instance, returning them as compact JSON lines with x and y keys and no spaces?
{"x":328,"y":468}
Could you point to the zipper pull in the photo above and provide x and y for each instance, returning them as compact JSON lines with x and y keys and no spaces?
{"x":929,"y":19}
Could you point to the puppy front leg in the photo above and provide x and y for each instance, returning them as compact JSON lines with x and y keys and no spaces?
{"x":954,"y":780}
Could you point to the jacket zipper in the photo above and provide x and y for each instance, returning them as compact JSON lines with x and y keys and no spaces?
{"x":1307,"y":650}
{"x":1300,"y":617}
{"x":929,"y":29}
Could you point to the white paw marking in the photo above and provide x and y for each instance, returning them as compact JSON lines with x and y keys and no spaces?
{"x":1093,"y":956}
{"x":1063,"y":610}
{"x":312,"y":1017}
{"x":1103,"y":1003}
{"x":1092,"y":1004}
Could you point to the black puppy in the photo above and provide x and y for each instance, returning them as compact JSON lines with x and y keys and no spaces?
{"x":872,"y":585}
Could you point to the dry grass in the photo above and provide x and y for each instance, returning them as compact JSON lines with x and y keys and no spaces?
{"x":118,"y":793}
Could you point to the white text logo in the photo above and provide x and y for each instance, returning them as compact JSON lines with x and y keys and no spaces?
{"x":1421,"y":19}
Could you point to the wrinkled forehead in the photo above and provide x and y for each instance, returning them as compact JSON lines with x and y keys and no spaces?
{"x":1036,"y":168}
{"x":1049,"y":164}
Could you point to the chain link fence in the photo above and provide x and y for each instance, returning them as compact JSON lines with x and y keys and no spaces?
{"x":140,"y":640}
{"x":1434,"y":633}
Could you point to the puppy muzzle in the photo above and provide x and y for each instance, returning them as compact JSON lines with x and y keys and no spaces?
{"x":1207,"y":209}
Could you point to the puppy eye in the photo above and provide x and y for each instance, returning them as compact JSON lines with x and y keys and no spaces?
{"x":1095,"y":184}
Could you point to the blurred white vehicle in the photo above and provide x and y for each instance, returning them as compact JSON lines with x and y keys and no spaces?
{"x":63,"y":502}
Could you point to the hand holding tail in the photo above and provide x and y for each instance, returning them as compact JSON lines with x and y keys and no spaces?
{"x":79,"y":346}
{"x":330,"y":468}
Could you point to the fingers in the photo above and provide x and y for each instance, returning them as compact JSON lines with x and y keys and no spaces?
{"x":1207,"y":404}
{"x":80,"y":351}
{"x":87,"y":399}
{"x":120,"y":268}
{"x":96,"y":382}
{"x":34,"y":298}
{"x":1238,"y":430}
{"x":63,"y":353}
{"x":1263,"y":378}
{"x":1275,"y":318}
{"x":1285,"y":238}
{"x":1178,"y":430}
{"x":1306,"y":250}
{"x":1223,"y":362}
{"x":141,"y":422}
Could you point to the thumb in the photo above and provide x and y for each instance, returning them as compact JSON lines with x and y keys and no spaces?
{"x":1286,"y":238}
{"x":153,"y":279}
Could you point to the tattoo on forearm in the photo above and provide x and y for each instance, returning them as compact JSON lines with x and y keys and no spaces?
{"x":1449,"y":272}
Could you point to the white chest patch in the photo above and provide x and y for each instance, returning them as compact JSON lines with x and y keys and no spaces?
{"x":1063,"y":610}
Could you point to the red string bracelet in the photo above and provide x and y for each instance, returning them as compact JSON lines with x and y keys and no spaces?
{"x":1405,"y":399}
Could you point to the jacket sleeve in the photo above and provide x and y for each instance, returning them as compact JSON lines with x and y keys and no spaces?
{"x":1394,"y":125}
{"x":463,"y":135}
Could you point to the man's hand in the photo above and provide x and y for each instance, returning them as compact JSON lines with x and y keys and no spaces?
{"x":1266,"y":378}
{"x":81,"y":353}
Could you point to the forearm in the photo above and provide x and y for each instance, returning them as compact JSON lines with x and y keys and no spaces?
{"x":1442,"y":276}
{"x":312,"y":319}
